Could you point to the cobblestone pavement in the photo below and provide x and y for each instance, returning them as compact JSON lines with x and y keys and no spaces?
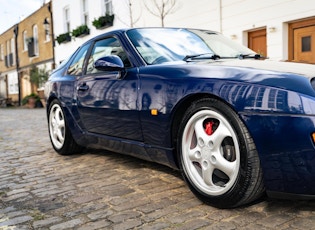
{"x":40,"y":189}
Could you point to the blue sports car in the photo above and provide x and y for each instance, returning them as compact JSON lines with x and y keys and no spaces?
{"x":235,"y":126}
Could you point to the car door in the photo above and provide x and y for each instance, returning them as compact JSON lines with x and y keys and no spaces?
{"x":107,"y":100}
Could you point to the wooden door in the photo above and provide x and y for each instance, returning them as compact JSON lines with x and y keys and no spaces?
{"x":302,"y":41}
{"x":257,"y":41}
{"x":304,"y":44}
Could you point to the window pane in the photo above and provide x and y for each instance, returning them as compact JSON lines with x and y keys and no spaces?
{"x":108,"y":7}
{"x":306,"y":44}
{"x":102,"y":48}
{"x":76,"y":65}
{"x":35,"y":36}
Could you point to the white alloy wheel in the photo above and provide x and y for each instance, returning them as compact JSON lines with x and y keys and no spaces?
{"x":57,"y":126}
{"x":210,"y":152}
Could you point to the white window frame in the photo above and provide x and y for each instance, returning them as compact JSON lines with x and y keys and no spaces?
{"x":66,"y":15}
{"x":35,"y":37}
{"x":13,"y":50}
{"x":25,"y":48}
{"x":1,"y":52}
{"x":107,"y":7}
{"x":13,"y":87}
{"x":8,"y":52}
{"x":85,"y":12}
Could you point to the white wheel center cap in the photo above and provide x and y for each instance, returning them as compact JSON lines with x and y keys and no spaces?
{"x":206,"y":153}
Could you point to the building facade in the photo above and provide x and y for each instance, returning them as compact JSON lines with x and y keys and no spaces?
{"x":278,"y":29}
{"x":76,"y":21}
{"x":26,"y":55}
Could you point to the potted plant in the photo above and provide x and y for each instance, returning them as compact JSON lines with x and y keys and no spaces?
{"x":32,"y":101}
{"x":81,"y":31}
{"x":63,"y":38}
{"x":104,"y":21}
{"x":38,"y":76}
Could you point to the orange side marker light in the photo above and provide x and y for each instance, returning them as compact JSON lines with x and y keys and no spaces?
{"x":154,"y":112}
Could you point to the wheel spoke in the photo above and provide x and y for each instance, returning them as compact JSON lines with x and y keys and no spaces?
{"x":207,"y":172}
{"x":201,"y":135}
{"x":218,"y":136}
{"x":194,"y":154}
{"x":58,"y":115}
{"x":61,"y":124}
{"x":224,"y":165}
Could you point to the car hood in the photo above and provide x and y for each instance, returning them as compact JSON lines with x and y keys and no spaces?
{"x":306,"y":70}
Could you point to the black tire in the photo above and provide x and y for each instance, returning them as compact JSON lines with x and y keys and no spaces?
{"x":59,"y":132}
{"x":217,"y":156}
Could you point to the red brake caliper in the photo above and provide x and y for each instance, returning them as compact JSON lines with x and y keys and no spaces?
{"x":209,"y":128}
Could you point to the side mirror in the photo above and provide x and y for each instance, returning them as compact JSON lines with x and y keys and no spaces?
{"x":109,"y":63}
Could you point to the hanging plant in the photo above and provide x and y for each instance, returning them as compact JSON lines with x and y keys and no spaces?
{"x":81,"y":31}
{"x":63,"y":38}
{"x":104,"y":21}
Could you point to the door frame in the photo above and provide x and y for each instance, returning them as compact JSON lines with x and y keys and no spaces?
{"x":257,"y":32}
{"x":296,"y":25}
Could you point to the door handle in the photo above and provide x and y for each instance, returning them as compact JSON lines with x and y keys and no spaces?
{"x":83,"y":87}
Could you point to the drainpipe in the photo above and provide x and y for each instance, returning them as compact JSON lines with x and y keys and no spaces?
{"x":17,"y":63}
{"x":220,"y":16}
{"x":52,"y":34}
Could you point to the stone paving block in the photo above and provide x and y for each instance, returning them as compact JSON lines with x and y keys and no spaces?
{"x":129,"y":224}
{"x":100,"y":214}
{"x":123,"y":216}
{"x":15,"y":196}
{"x":39,"y":224}
{"x":275,"y":221}
{"x":101,"y":224}
{"x":86,"y":198}
{"x":157,"y":225}
{"x":67,"y":225}
{"x":14,"y":221}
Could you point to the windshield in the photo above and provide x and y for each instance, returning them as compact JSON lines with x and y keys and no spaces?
{"x":157,"y":45}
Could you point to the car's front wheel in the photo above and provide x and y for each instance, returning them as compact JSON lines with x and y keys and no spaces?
{"x":217,"y":156}
{"x":59,"y":131}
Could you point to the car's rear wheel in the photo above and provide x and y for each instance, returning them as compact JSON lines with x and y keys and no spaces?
{"x":217,"y":156}
{"x":59,"y":131}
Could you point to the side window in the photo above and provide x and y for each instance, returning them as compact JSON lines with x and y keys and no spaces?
{"x":76,"y":65}
{"x":105,"y":47}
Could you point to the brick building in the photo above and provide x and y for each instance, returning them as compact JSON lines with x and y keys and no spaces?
{"x":26,"y":52}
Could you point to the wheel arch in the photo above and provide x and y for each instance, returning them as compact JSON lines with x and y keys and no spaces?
{"x":48,"y":102}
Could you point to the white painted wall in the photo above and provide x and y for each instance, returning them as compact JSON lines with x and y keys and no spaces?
{"x":240,"y":16}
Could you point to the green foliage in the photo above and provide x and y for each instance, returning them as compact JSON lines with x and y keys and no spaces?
{"x":80,"y":30}
{"x":32,"y":95}
{"x":63,"y":38}
{"x":103,"y":21}
{"x":38,"y":76}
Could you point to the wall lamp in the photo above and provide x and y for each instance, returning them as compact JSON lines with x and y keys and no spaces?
{"x":46,"y":26}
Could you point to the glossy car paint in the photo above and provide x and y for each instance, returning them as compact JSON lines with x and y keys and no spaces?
{"x":277,"y":107}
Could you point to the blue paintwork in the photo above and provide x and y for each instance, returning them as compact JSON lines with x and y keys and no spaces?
{"x":277,"y":108}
